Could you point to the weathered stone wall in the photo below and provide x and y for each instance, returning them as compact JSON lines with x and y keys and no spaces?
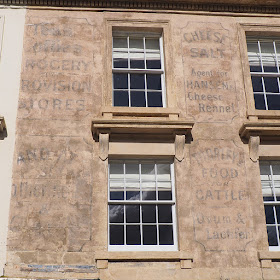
{"x":58,"y":217}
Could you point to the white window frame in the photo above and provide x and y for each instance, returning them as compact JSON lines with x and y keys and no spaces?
{"x":123,"y":34}
{"x":263,"y":74}
{"x":140,"y":202}
{"x":272,"y":203}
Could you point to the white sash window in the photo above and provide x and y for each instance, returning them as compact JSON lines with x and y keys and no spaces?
{"x":138,"y":70}
{"x":270,"y":178}
{"x":264,"y":61}
{"x":141,"y":206}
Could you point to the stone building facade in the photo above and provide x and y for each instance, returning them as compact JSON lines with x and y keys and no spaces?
{"x":146,"y":140}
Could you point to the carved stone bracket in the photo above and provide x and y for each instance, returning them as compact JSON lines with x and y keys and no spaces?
{"x":180,"y":147}
{"x":103,"y":146}
{"x":254,"y":144}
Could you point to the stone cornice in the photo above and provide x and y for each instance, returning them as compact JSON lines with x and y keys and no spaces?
{"x":227,"y":6}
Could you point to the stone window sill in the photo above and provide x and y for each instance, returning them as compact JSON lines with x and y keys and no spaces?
{"x":110,"y":112}
{"x":267,"y":257}
{"x":124,"y":124}
{"x":260,"y":127}
{"x":103,"y":258}
{"x":256,"y":129}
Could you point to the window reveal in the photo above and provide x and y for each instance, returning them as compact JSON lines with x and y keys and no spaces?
{"x":138,"y":70}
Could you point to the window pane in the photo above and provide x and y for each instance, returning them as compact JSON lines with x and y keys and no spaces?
{"x":116,"y":190}
{"x":277,"y":190}
{"x":276,"y":171}
{"x":153,"y":61}
{"x":116,"y":213}
{"x":152,"y":45}
{"x":268,"y":57}
{"x":254,"y":57}
{"x":163,"y":172}
{"x":120,"y":81}
{"x":121,"y":98}
{"x":116,"y":171}
{"x":116,"y":235}
{"x":149,"y":191}
{"x":278,"y":214}
{"x":133,"y":195}
{"x":265,"y":170}
{"x":137,"y":81}
{"x":154,"y":82}
{"x":132,"y":190}
{"x":148,"y":171}
{"x":165,"y":235}
{"x":271,"y":84}
{"x":259,"y":101}
{"x":116,"y":195}
{"x":269,"y":215}
{"x":273,"y":101}
{"x":138,"y":99}
{"x":116,"y":186}
{"x":149,"y":235}
{"x":119,"y":44}
{"x":132,"y":171}
{"x":257,"y":84}
{"x":267,"y":191}
{"x":137,"y":61}
{"x":154,"y":99}
{"x":272,"y":236}
{"x":164,"y":214}
{"x":120,"y":60}
{"x":133,"y":235}
{"x":136,"y":45}
{"x":148,"y":213}
{"x":164,"y":191}
{"x":132,"y":213}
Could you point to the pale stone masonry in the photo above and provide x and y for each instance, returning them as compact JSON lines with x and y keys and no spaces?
{"x":73,"y":147}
